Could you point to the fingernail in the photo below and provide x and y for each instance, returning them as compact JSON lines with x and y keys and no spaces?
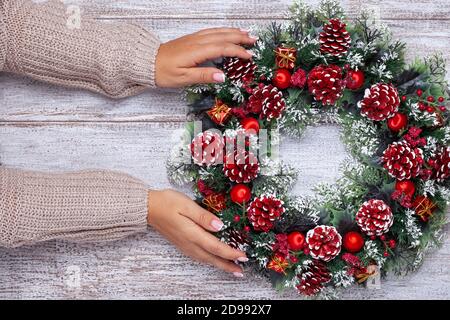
{"x":217,"y":224}
{"x":250,"y":52}
{"x":245,"y":30}
{"x":238,"y":274}
{"x":242,"y":259}
{"x":219,"y":77}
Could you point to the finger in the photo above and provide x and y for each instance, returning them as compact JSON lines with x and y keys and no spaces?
{"x":220,"y":30}
{"x":203,"y":76}
{"x":231,"y":37}
{"x":202,"y":217}
{"x":215,"y":51}
{"x":222,"y":264}
{"x":216,"y":247}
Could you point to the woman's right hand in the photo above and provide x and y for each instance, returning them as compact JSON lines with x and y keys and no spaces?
{"x":188,"y":227}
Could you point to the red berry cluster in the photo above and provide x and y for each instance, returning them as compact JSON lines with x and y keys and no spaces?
{"x":430,"y":104}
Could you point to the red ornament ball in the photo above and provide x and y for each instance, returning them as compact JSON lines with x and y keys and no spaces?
{"x":296,"y":241}
{"x":282,"y":79}
{"x":355,"y":79}
{"x":406,"y":186}
{"x":353,"y":242}
{"x":398,"y":122}
{"x":250,"y":124}
{"x":240,"y":193}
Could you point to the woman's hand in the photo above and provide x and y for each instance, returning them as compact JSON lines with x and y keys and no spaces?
{"x":188,"y":227}
{"x":178,"y":60}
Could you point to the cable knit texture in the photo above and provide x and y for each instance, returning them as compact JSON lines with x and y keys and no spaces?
{"x":40,"y":40}
{"x":84,"y":206}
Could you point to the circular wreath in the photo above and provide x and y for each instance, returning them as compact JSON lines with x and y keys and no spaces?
{"x":388,"y":207}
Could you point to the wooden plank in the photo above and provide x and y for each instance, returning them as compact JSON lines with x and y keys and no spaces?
{"x":258,"y":9}
{"x":27,"y":100}
{"x":146,"y":266}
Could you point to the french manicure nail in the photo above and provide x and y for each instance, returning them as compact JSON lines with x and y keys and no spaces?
{"x":250,"y":52}
{"x":217,"y":224}
{"x":245,"y":30}
{"x":219,"y":77}
{"x":242,"y":259}
{"x":238,"y":274}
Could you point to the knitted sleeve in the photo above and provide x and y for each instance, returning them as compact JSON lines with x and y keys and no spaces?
{"x":82,"y":207}
{"x":47,"y":41}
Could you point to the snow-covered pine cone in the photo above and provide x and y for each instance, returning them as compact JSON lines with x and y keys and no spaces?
{"x":243,"y":169}
{"x":324,"y":242}
{"x":207,"y":148}
{"x":267,"y":101}
{"x":313,"y":277}
{"x":402,"y":161}
{"x":375,"y":217}
{"x":236,"y":239}
{"x":239,"y":70}
{"x":441,"y":164}
{"x":335,"y":39}
{"x":380,"y":102}
{"x":264,"y":211}
{"x":326,"y":83}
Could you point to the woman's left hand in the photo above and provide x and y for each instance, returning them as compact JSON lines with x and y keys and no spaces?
{"x":177,"y":62}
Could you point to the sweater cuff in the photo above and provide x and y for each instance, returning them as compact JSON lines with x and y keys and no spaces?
{"x":3,"y":38}
{"x":141,"y":66}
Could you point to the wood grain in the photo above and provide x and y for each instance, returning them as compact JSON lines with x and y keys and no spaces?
{"x":146,"y":266}
{"x":45,"y":102}
{"x":48,"y":128}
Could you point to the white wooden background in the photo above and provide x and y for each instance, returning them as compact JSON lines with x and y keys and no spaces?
{"x":50,"y":128}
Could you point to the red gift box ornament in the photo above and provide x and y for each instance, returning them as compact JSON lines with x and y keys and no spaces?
{"x":220,"y":113}
{"x":286,"y":57}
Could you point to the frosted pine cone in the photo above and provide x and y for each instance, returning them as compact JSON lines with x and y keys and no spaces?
{"x":313,"y":277}
{"x":335,"y":40}
{"x":440,"y":165}
{"x":402,"y":161}
{"x":324,"y":242}
{"x":207,"y":148}
{"x":243,"y":169}
{"x":263,"y":212}
{"x":326,"y":84}
{"x":380,"y":102}
{"x":236,"y":239}
{"x":267,"y":101}
{"x":239,"y":70}
{"x":375,"y":217}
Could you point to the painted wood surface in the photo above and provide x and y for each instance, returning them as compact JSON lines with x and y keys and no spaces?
{"x":49,"y":128}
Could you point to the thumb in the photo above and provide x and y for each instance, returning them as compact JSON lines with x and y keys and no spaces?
{"x":204,"y":76}
{"x":203,"y":217}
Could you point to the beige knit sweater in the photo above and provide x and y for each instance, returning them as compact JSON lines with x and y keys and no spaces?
{"x":116,"y":60}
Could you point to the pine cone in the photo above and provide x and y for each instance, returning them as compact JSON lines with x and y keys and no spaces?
{"x":243,"y":169}
{"x":441,"y":165}
{"x":236,"y":239}
{"x":335,"y":40}
{"x":239,"y":70}
{"x":324,"y":242}
{"x":267,"y":101}
{"x":313,"y":277}
{"x":375,"y":217}
{"x":402,"y":161}
{"x":380,"y":102}
{"x":207,"y":148}
{"x":326,"y":83}
{"x":263,"y":212}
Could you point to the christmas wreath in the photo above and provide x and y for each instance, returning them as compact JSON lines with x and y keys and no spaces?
{"x":389,"y":206}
